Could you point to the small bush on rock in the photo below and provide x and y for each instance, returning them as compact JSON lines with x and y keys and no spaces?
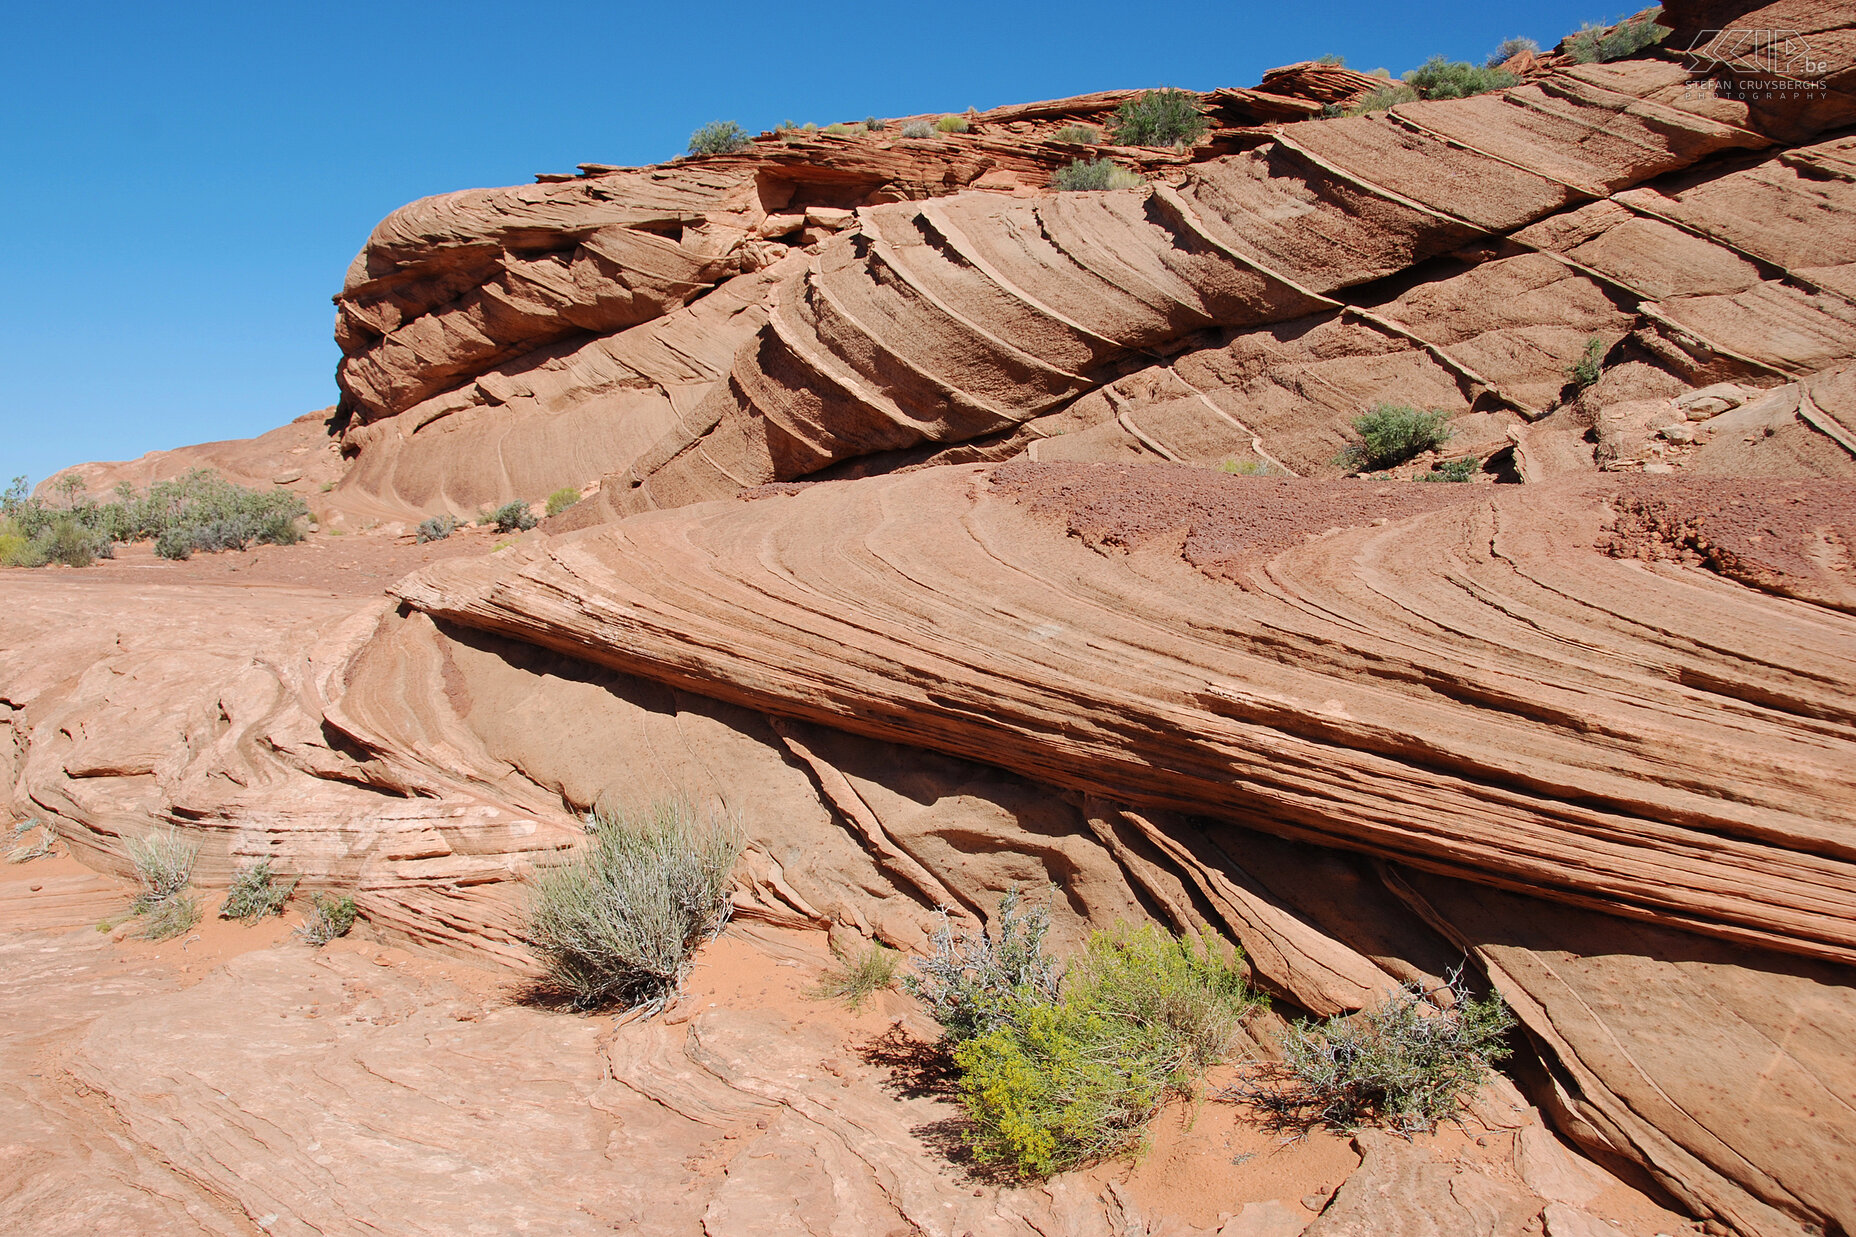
{"x":952,"y":124}
{"x":1159,"y":118}
{"x":256,"y":892}
{"x":970,"y":983}
{"x":562,"y":499}
{"x":1077,"y":135}
{"x":437,"y":528}
{"x":327,"y":918}
{"x":513,"y":517}
{"x":1391,"y":434}
{"x":1595,"y":43}
{"x":1406,"y":1063}
{"x":1094,"y":174}
{"x":841,"y":130}
{"x":1509,"y":49}
{"x":1590,"y":366}
{"x":41,"y":844}
{"x":619,"y":922}
{"x":1438,"y":78}
{"x":718,"y":137}
{"x":918,"y":129}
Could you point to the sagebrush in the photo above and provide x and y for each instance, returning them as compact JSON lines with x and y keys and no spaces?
{"x":42,"y":844}
{"x":952,"y":124}
{"x":1390,"y":434}
{"x":1508,"y":50}
{"x":718,"y":137}
{"x":917,"y":129}
{"x":511,"y":517}
{"x":328,"y":917}
{"x":620,"y":921}
{"x":1077,"y":135}
{"x":1406,"y":1063}
{"x":437,"y":528}
{"x":1159,"y":118}
{"x":199,"y":511}
{"x":562,"y":499}
{"x":163,"y":863}
{"x":255,"y":892}
{"x":1094,"y":174}
{"x":1594,"y":43}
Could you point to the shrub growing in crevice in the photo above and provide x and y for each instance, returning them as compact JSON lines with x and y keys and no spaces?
{"x":1453,"y":470}
{"x":918,"y":129}
{"x":562,"y":499}
{"x":1163,"y":117}
{"x":163,"y":867}
{"x":1595,"y":42}
{"x":1590,"y":366}
{"x":1094,"y":174}
{"x":859,"y":975}
{"x":952,"y":124}
{"x":1508,"y":50}
{"x":1406,"y":1063}
{"x":1077,"y":135}
{"x":1390,"y":434}
{"x":620,"y":921}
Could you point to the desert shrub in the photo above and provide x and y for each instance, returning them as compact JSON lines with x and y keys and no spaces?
{"x":15,"y":547}
{"x":1246,"y":468}
{"x":562,"y":499}
{"x":255,"y":892}
{"x":619,"y":922}
{"x":952,"y":124}
{"x":873,"y":125}
{"x":1159,"y":118}
{"x":1595,"y":42}
{"x":1077,"y":135}
{"x":918,"y":129}
{"x":437,"y":528}
{"x":175,"y":543}
{"x":1332,"y":61}
{"x":1453,"y":470}
{"x":859,"y":975}
{"x":327,"y":918}
{"x":1094,"y":174}
{"x":1059,"y":1082}
{"x":718,"y":137}
{"x":1379,"y":98}
{"x":1590,"y":366}
{"x":971,"y":984}
{"x":841,"y":130}
{"x":514,"y":517}
{"x":39,"y":846}
{"x":1438,"y":78}
{"x":1509,"y":49}
{"x":1405,"y":1063}
{"x":1390,"y":434}
{"x":163,"y":866}
{"x":198,"y":511}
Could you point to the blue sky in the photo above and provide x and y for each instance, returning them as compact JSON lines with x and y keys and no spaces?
{"x":184,"y":185}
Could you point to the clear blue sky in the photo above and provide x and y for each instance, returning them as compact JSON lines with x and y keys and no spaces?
{"x":185,"y":184}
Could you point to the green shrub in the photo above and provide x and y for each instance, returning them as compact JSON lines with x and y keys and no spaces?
{"x":163,"y":866}
{"x":1509,"y":49}
{"x":1077,"y":135}
{"x":1159,"y":118}
{"x":1058,"y":1083}
{"x":873,"y":125}
{"x":256,"y":892}
{"x":858,"y":976}
{"x":16,"y":548}
{"x":620,"y":921}
{"x":1453,"y":470}
{"x":1406,"y":1063}
{"x":1094,"y":174}
{"x":1590,"y":366}
{"x":718,"y":137}
{"x":1379,"y":98}
{"x":841,"y":130}
{"x":327,"y":918}
{"x":1595,"y":42}
{"x":971,"y":984}
{"x":918,"y":129}
{"x":514,"y":517}
{"x":1332,"y":61}
{"x":1438,"y":78}
{"x":198,"y":511}
{"x":1246,"y":468}
{"x":952,"y":124}
{"x":562,"y":499}
{"x":437,"y":528}
{"x":1391,"y":434}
